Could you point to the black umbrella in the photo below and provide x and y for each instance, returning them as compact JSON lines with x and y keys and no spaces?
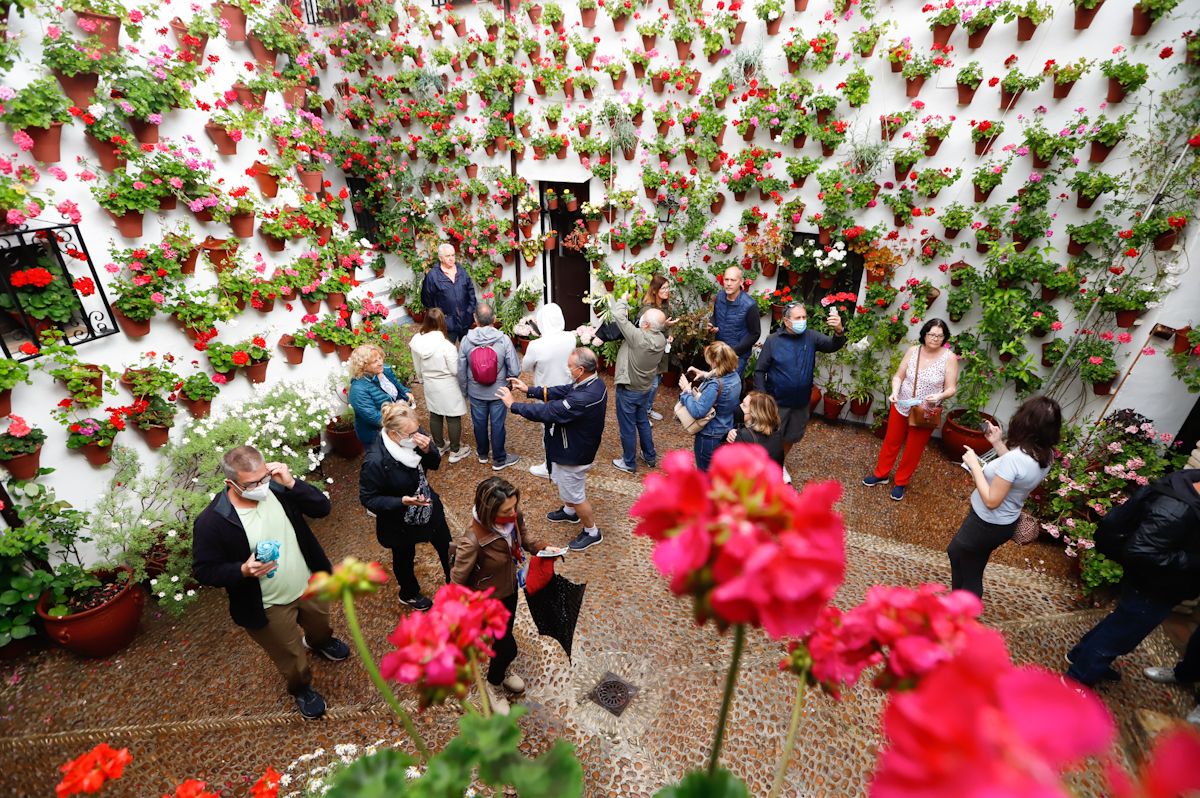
{"x":555,"y":609}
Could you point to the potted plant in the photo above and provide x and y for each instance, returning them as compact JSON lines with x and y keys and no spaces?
{"x":1105,"y":135}
{"x":1093,"y":356}
{"x":197,"y":393}
{"x":153,"y":375}
{"x":43,"y":294}
{"x":77,"y":65}
{"x":984,"y":133}
{"x":193,"y":35}
{"x":968,"y":80}
{"x":977,"y":381}
{"x":1029,"y":15}
{"x":770,"y":12}
{"x":154,"y":416}
{"x":93,"y":436}
{"x":11,"y":373}
{"x":1089,"y":184}
{"x":1123,"y":77}
{"x":21,"y":448}
{"x":1147,"y":12}
{"x":83,"y":381}
{"x":343,"y":441}
{"x":128,"y":197}
{"x":1085,"y":12}
{"x":36,"y":115}
{"x":253,"y":357}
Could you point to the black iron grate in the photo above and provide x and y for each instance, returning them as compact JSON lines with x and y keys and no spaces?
{"x":613,"y":693}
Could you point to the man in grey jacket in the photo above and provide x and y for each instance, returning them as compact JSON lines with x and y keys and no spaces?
{"x":485,"y":362}
{"x":637,"y":366}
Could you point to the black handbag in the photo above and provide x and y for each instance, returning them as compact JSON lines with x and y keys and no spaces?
{"x":609,"y":331}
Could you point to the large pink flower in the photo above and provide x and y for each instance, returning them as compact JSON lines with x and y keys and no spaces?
{"x":672,"y":499}
{"x":1169,"y":772}
{"x":979,"y":727}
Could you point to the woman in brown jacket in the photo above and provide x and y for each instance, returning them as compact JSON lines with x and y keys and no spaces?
{"x":491,"y":553}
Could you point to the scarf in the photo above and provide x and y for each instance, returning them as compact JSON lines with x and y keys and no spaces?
{"x":402,"y":454}
{"x":388,"y":386}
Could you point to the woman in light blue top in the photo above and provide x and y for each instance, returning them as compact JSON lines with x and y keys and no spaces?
{"x":721,"y":389}
{"x":1002,"y":486}
{"x":372,"y":385}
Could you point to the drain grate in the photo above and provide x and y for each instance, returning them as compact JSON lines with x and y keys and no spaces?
{"x":613,"y":693}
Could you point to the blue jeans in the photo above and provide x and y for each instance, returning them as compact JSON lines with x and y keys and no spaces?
{"x":633,"y":420}
{"x":654,"y":390}
{"x":484,"y":411}
{"x":703,"y":447}
{"x":742,"y":361}
{"x":1135,"y":617}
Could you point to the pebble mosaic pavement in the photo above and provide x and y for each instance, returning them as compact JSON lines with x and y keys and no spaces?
{"x":195,"y":697}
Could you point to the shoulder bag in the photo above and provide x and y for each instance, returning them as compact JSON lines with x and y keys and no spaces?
{"x":693,"y":425}
{"x":1027,"y":529}
{"x":919,"y":415}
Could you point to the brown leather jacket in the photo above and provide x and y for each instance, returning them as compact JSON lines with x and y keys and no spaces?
{"x":482,"y":559}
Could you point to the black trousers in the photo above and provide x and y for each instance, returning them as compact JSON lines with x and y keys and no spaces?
{"x":1187,"y":670}
{"x":506,"y":647}
{"x":973,"y":544}
{"x":404,"y":553}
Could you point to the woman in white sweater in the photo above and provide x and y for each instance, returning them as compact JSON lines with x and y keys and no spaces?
{"x":546,"y":357}
{"x":435,"y":359}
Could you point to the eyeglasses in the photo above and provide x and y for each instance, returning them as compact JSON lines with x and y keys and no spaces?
{"x":257,"y":483}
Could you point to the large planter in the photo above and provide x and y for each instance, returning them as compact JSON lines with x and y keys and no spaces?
{"x":107,"y":27}
{"x":956,"y":438}
{"x":831,"y":407}
{"x":102,"y":631}
{"x":47,"y":142}
{"x":257,"y":372}
{"x":24,"y":466}
{"x":344,"y":442}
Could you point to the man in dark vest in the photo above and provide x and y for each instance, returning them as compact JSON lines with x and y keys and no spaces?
{"x":735,"y":318}
{"x":449,"y":288}
{"x":786,"y":364}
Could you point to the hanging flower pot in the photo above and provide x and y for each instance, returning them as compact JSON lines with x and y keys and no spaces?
{"x":199,"y":408}
{"x":235,"y":19}
{"x":247,"y":98}
{"x":551,"y":241}
{"x":81,"y":88}
{"x":103,"y":630}
{"x":131,"y":328}
{"x":225,"y":144}
{"x":105,"y":26}
{"x":966,"y":93}
{"x":1182,"y":344}
{"x":1084,"y":201}
{"x":96,"y":454}
{"x":769,"y":268}
{"x":107,"y":154}
{"x":1061,"y":90}
{"x":268,"y":184}
{"x":1026,"y":27}
{"x":976,"y":37}
{"x":145,"y":132}
{"x":24,"y":466}
{"x":188,"y":264}
{"x":1141,"y":22}
{"x":155,"y":435}
{"x":128,"y":224}
{"x":717,"y":203}
{"x":47,"y":142}
{"x":941,"y":34}
{"x":264,"y":56}
{"x":1116,"y":92}
{"x":193,"y":44}
{"x":242,"y":224}
{"x":1084,"y":16}
{"x":1099,"y":152}
{"x":329,"y":347}
{"x":335,"y":300}
{"x":273,"y":244}
{"x":257,"y":371}
{"x":219,"y":252}
{"x":1103,"y":388}
{"x":1164,"y":241}
{"x":292,"y":353}
{"x":912,"y":86}
{"x":312,"y":180}
{"x":1127,"y":318}
{"x":774,"y":25}
{"x":983,"y":146}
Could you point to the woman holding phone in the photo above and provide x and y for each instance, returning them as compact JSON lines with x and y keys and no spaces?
{"x":1002,"y":486}
{"x":393,"y":485}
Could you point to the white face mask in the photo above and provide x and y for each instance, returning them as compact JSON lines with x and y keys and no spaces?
{"x":257,"y":494}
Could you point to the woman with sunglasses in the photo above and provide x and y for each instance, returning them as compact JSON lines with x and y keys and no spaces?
{"x":494,"y":552}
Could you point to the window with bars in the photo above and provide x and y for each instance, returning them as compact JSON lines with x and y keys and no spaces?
{"x":48,"y":282}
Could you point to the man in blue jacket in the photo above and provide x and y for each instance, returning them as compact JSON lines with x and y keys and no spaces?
{"x":263,"y":503}
{"x":449,"y":288}
{"x":735,"y":318}
{"x":573,"y":416}
{"x":786,"y":364}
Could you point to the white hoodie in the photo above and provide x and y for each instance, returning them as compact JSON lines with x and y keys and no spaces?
{"x":436,"y":362}
{"x":547,"y":356}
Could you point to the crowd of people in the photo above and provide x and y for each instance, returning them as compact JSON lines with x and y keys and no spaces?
{"x":467,"y":365}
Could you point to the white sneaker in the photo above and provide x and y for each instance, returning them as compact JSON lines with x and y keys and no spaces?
{"x":514,"y":683}
{"x":442,"y":450}
{"x":656,"y":416}
{"x":1161,"y":675}
{"x":1194,"y":716}
{"x":462,"y":454}
{"x":497,"y":699}
{"x":540,"y":470}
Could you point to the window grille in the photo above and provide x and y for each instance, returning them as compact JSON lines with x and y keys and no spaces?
{"x":329,"y":12}
{"x":48,"y":282}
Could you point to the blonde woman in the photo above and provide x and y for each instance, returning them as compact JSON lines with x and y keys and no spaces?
{"x":372,"y":385}
{"x":719,"y":389}
{"x":435,"y":359}
{"x":393,"y":485}
{"x":761,"y":425}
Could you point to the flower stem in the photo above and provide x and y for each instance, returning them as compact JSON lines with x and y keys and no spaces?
{"x":739,"y":643}
{"x":368,"y":662}
{"x":785,"y":758}
{"x":484,"y":701}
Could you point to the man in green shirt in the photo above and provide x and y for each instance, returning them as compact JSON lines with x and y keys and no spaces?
{"x":264,"y":504}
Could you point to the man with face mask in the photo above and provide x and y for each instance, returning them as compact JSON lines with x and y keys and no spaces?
{"x":786,"y":363}
{"x":573,"y":416}
{"x":264,"y":504}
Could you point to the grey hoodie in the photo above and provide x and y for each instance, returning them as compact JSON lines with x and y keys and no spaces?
{"x":507,"y":365}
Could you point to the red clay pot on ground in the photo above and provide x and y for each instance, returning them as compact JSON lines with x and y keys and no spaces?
{"x":956,"y":437}
{"x":344,"y":442}
{"x":861,"y":408}
{"x":24,"y":466}
{"x":101,"y":631}
{"x":831,"y":407}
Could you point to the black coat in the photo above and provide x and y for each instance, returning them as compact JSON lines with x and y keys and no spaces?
{"x":220,"y":546}
{"x":772,"y":443}
{"x":1163,"y":558}
{"x":384,"y":481}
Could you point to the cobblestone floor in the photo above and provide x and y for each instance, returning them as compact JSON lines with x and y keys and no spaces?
{"x":196,"y":698}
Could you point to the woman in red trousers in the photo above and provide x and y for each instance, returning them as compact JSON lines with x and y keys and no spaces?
{"x":928,"y":372}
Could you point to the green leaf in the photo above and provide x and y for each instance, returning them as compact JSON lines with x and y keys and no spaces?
{"x":9,"y":597}
{"x":698,"y":784}
{"x":380,"y":775}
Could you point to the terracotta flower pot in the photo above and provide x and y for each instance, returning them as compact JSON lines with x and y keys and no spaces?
{"x":80,"y":88}
{"x":199,"y":408}
{"x":912,"y":86}
{"x":106,"y":153}
{"x":335,"y":300}
{"x":966,"y":93}
{"x":1026,"y":27}
{"x":242,"y":224}
{"x":47,"y":142}
{"x":292,"y":353}
{"x":861,"y":408}
{"x":1127,"y":318}
{"x":1116,"y":92}
{"x":224,"y":142}
{"x":257,"y":371}
{"x":101,"y":631}
{"x":1182,"y":344}
{"x":1141,"y":22}
{"x":131,"y":328}
{"x":196,"y":47}
{"x":312,"y":180}
{"x":129,"y":225}
{"x":1164,"y":241}
{"x":107,"y":27}
{"x":774,"y":25}
{"x":96,"y":454}
{"x":219,"y":252}
{"x":956,"y":437}
{"x":941,"y":33}
{"x":1084,"y":16}
{"x":831,"y":407}
{"x":235,"y":31}
{"x":24,"y":466}
{"x":155,"y":435}
{"x":264,"y":57}
{"x":268,"y":185}
{"x":1103,"y":388}
{"x":1061,"y":90}
{"x":144,"y":132}
{"x":975,"y":38}
{"x":1099,"y":152}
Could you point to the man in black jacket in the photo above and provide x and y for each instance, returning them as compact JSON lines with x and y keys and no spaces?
{"x":573,"y":416}
{"x":262,"y":509}
{"x":1162,"y":568}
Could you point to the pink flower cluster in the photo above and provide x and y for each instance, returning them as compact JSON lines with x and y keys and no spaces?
{"x":911,"y":631}
{"x":433,"y":648}
{"x":746,"y":546}
{"x":980,"y":726}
